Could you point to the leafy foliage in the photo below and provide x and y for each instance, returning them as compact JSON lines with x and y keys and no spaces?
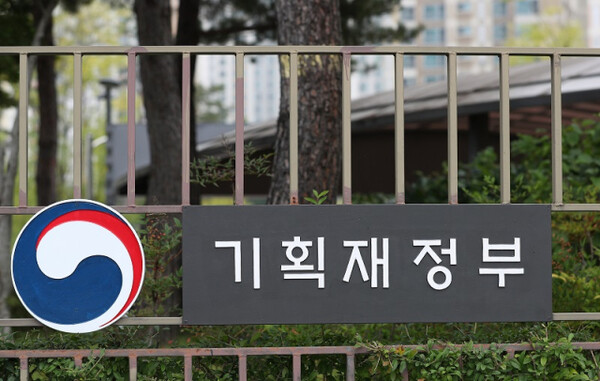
{"x":212,"y":170}
{"x":319,"y":197}
{"x":438,"y":361}
{"x":552,"y":31}
{"x":575,"y":236}
{"x":360,"y":24}
{"x":209,"y":107}
{"x":162,"y":246}
{"x":16,"y":28}
{"x":231,"y":19}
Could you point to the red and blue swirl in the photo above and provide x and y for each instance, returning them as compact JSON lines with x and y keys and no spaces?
{"x":77,"y":266}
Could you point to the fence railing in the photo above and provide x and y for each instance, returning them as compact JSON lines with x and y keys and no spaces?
{"x":345,"y":53}
{"x":242,"y":354}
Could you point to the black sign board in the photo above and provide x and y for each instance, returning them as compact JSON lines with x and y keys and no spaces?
{"x":366,"y":264}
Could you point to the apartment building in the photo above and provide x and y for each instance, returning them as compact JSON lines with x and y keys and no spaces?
{"x":444,"y":23}
{"x":486,"y":23}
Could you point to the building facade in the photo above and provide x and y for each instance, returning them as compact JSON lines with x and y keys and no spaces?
{"x":443,"y":23}
{"x":487,"y":23}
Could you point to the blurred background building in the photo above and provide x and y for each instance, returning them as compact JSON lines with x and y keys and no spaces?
{"x":443,"y":23}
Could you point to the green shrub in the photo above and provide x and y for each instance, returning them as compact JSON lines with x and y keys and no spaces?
{"x":576,"y":293}
{"x":575,"y":236}
{"x":435,"y":361}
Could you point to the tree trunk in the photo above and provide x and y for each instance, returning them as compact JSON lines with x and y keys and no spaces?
{"x":188,"y":33}
{"x":310,"y":22}
{"x":162,"y":101}
{"x":45,"y":177}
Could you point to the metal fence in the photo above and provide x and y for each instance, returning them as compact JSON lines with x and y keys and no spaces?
{"x":345,"y":53}
{"x":398,"y":52}
{"x":242,"y":354}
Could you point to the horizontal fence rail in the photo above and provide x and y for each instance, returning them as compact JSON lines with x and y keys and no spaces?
{"x":178,"y":320}
{"x":301,"y":49}
{"x":555,"y":55}
{"x":188,"y":354}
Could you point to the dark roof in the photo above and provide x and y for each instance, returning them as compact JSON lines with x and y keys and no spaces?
{"x":529,"y":85}
{"x":116,"y":158}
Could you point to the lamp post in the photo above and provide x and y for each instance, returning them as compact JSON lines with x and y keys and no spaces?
{"x":92,"y":143}
{"x":108,"y":84}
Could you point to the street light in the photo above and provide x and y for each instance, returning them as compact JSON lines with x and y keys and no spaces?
{"x":108,"y":84}
{"x":92,"y":143}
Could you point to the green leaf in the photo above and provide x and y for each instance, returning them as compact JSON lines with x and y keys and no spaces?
{"x":584,"y":158}
{"x":403,"y":366}
{"x":311,"y":200}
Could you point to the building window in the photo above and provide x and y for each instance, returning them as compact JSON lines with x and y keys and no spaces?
{"x":409,"y":61}
{"x":434,"y":61}
{"x":520,"y":29}
{"x":434,"y":12}
{"x":408,"y":14}
{"x":499,"y":33}
{"x":408,"y":82}
{"x":433,"y":78}
{"x":527,"y":7}
{"x":499,"y":8}
{"x":434,"y":36}
{"x":464,"y":7}
{"x":464,"y":31}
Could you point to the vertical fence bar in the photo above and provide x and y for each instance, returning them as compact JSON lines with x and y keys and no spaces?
{"x":399,"y":128}
{"x":132,"y":368}
{"x":185,"y":129}
{"x":296,"y":369}
{"x":239,"y":128}
{"x":77,"y":125}
{"x":556,"y":101}
{"x":452,"y":131}
{"x":293,"y":128}
{"x":89,"y":165}
{"x":131,"y":128}
{"x":346,"y":131}
{"x":78,"y":360}
{"x":243,"y":367}
{"x":23,"y":369}
{"x":350,"y":367}
{"x":23,"y":106}
{"x":187,"y":368}
{"x":504,"y":130}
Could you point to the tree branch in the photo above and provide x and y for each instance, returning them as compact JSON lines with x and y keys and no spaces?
{"x":221,"y":32}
